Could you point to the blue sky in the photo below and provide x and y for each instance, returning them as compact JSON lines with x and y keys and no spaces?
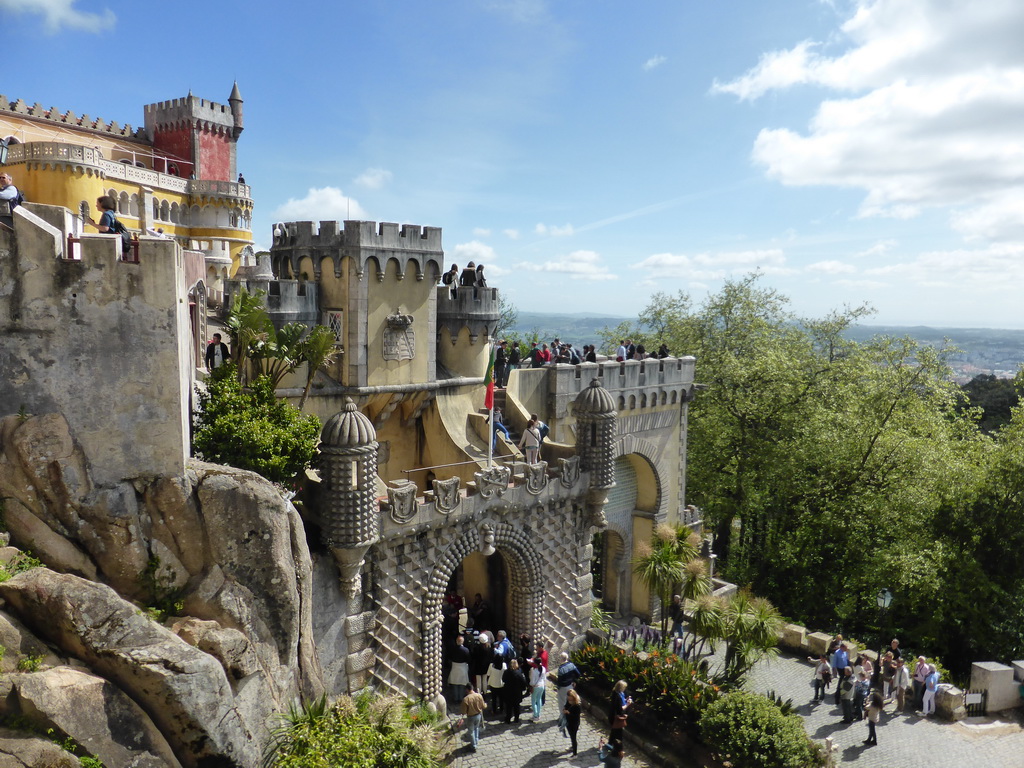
{"x":592,"y":152}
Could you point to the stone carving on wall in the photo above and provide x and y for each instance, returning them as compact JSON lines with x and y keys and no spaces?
{"x":402,"y":498}
{"x":570,"y":471}
{"x":536,"y":477}
{"x":399,"y":338}
{"x":446,"y":494}
{"x":487,"y":540}
{"x":493,"y":481}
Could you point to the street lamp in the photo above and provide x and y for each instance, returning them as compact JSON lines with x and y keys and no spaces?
{"x":883,"y":599}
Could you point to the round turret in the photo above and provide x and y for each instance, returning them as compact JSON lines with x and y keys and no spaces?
{"x":350,"y":521}
{"x":595,"y":411}
{"x":594,"y":400}
{"x":347,"y":429}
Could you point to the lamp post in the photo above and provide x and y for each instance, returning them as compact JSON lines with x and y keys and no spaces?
{"x":883,"y":600}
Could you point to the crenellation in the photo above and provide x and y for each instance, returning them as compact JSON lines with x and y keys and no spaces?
{"x":54,"y":115}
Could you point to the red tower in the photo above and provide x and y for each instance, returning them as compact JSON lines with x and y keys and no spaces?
{"x":201,"y":134}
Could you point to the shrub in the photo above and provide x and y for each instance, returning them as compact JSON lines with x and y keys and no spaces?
{"x":21,"y":562}
{"x":666,"y":687}
{"x":369,"y":731}
{"x":754,"y":733}
{"x":251,"y":429}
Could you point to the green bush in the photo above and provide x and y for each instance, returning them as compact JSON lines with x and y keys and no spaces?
{"x":251,"y":429}
{"x":366,"y":732}
{"x":21,"y":562}
{"x":752,"y":732}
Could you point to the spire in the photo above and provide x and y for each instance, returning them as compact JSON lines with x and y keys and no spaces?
{"x":235,"y":101}
{"x":235,"y":94}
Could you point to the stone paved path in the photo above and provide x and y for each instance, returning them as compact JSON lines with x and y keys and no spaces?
{"x":538,"y":745}
{"x":904,"y":740}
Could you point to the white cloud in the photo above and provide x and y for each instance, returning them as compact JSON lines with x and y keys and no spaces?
{"x":716,"y":266}
{"x":995,"y":269}
{"x":482,"y":232}
{"x":554,"y":231}
{"x":654,"y":62}
{"x":585,"y":265}
{"x":58,"y":14}
{"x":931,"y":99}
{"x":878,"y":249}
{"x":325,"y":204}
{"x":831,"y":268}
{"x":374,"y":178}
{"x":475,"y":251}
{"x":511,"y":234}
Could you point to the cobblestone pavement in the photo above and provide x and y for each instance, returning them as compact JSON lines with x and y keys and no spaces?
{"x":904,"y":740}
{"x":537,"y":745}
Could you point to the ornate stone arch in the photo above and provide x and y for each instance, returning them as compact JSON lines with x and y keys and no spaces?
{"x":526,"y":585}
{"x":631,"y":444}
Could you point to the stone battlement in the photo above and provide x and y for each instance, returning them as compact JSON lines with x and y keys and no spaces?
{"x":357,"y":234}
{"x":70,"y":119}
{"x":176,"y":111}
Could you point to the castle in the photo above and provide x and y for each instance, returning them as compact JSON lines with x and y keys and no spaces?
{"x":406,"y":508}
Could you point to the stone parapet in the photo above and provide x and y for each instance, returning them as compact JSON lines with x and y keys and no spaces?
{"x":475,"y":308}
{"x":69,"y":119}
{"x":997,"y":680}
{"x":666,"y":381}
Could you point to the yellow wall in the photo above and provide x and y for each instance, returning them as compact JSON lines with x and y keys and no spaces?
{"x":410,"y":297}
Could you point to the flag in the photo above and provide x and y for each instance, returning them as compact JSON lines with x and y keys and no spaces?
{"x":489,"y":382}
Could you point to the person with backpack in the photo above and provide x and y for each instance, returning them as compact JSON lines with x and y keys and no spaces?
{"x":108,"y":223}
{"x":10,"y":198}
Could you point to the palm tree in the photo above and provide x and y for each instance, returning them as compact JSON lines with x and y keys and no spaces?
{"x":319,"y":349}
{"x":659,"y":569}
{"x":751,"y":633}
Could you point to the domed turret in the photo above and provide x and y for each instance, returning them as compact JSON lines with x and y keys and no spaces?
{"x":350,"y":522}
{"x":594,"y":410}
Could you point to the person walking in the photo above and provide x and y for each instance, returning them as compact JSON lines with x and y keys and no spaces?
{"x":840,"y":661}
{"x":573,"y":710}
{"x":931,"y":687}
{"x":617,"y":712}
{"x":901,"y":682}
{"x":538,"y":679}
{"x":846,"y":691}
{"x":874,"y":714}
{"x":530,"y":442}
{"x":513,"y":687}
{"x":458,"y":677}
{"x":822,"y":677}
{"x":473,"y":706}
{"x":921,"y":670}
{"x":496,"y":681}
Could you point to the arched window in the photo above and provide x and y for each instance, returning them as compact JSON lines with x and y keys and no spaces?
{"x":123,"y":205}
{"x":133,"y":205}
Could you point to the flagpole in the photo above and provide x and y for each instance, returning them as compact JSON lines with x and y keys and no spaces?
{"x":490,"y":420}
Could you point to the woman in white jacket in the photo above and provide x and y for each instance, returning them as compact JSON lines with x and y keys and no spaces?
{"x":530,"y":442}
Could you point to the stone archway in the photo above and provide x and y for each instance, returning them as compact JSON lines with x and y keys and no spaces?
{"x":526,"y":587}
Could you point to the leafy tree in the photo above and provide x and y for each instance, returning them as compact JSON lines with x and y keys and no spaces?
{"x":319,"y":348}
{"x":669,"y":563}
{"x":251,"y":429}
{"x":508,"y":316}
{"x":995,"y":398}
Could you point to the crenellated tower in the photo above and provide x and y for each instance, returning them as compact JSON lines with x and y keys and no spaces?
{"x":202,"y":133}
{"x":466,"y":320}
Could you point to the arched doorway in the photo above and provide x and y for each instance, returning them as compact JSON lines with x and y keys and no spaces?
{"x":486,"y":577}
{"x":521,"y":574}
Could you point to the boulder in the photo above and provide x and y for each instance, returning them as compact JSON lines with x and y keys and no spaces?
{"x":104,"y":722}
{"x":183,"y":690}
{"x":18,"y":643}
{"x":229,"y":646}
{"x":25,"y":750}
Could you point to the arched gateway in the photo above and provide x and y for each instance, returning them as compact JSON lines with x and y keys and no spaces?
{"x":526,"y":587}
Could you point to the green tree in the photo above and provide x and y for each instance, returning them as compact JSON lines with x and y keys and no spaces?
{"x":669,"y":563}
{"x":508,"y":316}
{"x":319,"y":348}
{"x":251,"y":429}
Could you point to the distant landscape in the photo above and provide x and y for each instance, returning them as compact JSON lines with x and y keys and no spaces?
{"x":995,"y":351}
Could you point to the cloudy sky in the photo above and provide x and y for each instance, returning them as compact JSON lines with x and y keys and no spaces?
{"x":592,"y":152}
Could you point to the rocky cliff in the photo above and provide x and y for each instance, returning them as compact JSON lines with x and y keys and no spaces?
{"x":172,"y":617}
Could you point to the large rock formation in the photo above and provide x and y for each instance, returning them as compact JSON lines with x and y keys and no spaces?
{"x":218,"y":549}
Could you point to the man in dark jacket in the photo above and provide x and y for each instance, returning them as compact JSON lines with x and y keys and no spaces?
{"x":513,"y":689}
{"x":216,"y":353}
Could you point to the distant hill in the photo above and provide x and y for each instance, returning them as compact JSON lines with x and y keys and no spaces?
{"x":985,"y":350}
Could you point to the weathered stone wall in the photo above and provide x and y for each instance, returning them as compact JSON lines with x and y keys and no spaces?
{"x":102,"y":341}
